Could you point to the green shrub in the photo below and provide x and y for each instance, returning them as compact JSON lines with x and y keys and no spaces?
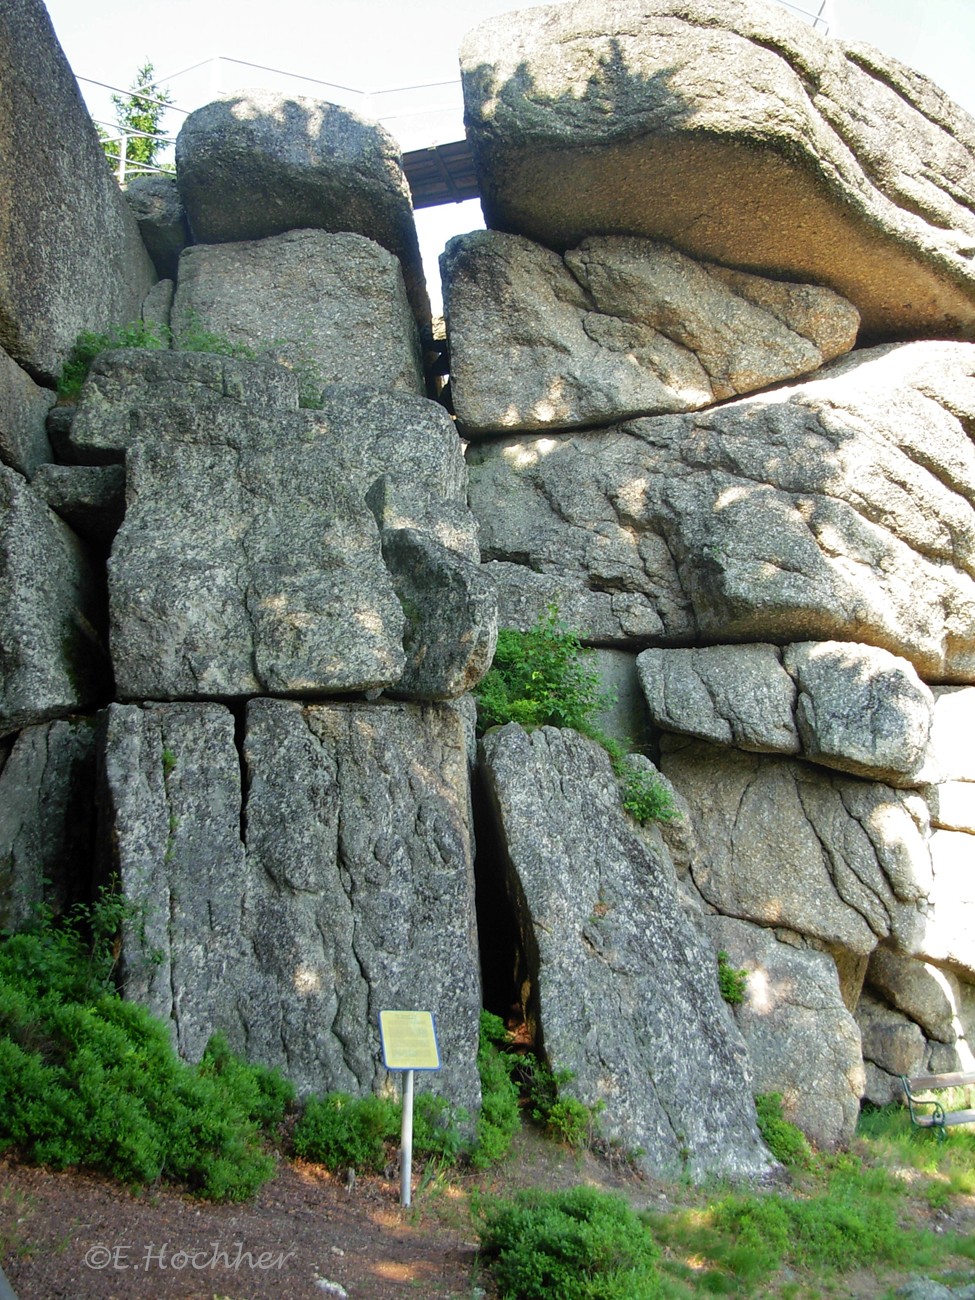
{"x":581,"y":1244}
{"x":500,"y":1116}
{"x":543,"y":677}
{"x":731,"y":982}
{"x":786,"y":1142}
{"x":338,"y":1131}
{"x":540,"y":678}
{"x":89,"y":1080}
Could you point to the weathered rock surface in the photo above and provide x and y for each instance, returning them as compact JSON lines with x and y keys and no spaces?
{"x":947,"y":935}
{"x":892,"y":1045}
{"x":619,"y":327}
{"x":52,"y":661}
{"x":740,"y":134}
{"x":354,"y":893}
{"x":847,"y":706}
{"x":171,"y":794}
{"x":802,"y":1042}
{"x":333,"y":306}
{"x":23,"y":418}
{"x":260,"y":163}
{"x":842,"y":860}
{"x":89,"y":498}
{"x":840,"y":508}
{"x":70,"y":254}
{"x":158,"y":209}
{"x":247,"y":567}
{"x":134,"y":394}
{"x":921,"y":992}
{"x":362,"y":888}
{"x":47,"y":820}
{"x":860,"y":709}
{"x":729,"y":695}
{"x":249,"y":561}
{"x":624,"y":986}
{"x":451,"y":613}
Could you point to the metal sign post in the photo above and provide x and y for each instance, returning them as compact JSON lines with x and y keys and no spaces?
{"x":409,"y":1040}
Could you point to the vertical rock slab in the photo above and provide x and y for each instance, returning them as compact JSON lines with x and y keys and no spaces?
{"x":170,"y":790}
{"x":24,"y":443}
{"x":361,"y":893}
{"x":624,"y":986}
{"x":71,"y":257}
{"x":260,"y":163}
{"x":47,"y":820}
{"x":734,"y":130}
{"x":802,"y":1041}
{"x":332,"y":306}
{"x":52,"y":660}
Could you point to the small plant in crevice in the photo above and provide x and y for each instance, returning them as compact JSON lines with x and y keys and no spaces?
{"x":89,"y":344}
{"x":543,"y":677}
{"x":731,"y":982}
{"x":194,"y":336}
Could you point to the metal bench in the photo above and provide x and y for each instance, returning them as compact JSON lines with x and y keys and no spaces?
{"x":936,"y":1116}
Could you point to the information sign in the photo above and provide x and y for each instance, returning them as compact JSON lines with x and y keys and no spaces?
{"x":409,"y":1040}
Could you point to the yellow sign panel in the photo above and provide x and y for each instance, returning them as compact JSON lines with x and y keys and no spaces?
{"x":409,"y":1040}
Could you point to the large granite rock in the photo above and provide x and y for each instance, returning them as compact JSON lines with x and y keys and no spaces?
{"x":623,"y":985}
{"x":260,"y":163}
{"x":618,"y":327}
{"x":23,"y":419}
{"x":362,"y":889}
{"x":70,"y":254}
{"x":354,"y":892}
{"x":847,"y":706}
{"x":249,"y":560}
{"x":47,"y":820}
{"x":840,"y":508}
{"x":158,"y":209}
{"x":802,"y":1041}
{"x":332,"y":306}
{"x":736,"y":131}
{"x":52,"y":659}
{"x":844,"y":861}
{"x":171,"y":798}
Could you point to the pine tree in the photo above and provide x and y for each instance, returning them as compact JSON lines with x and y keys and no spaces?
{"x":142,"y":110}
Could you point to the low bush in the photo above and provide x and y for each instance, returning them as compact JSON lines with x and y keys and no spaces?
{"x":786,"y":1142}
{"x":89,"y":1080}
{"x":500,"y":1117}
{"x":89,"y":344}
{"x":581,"y":1244}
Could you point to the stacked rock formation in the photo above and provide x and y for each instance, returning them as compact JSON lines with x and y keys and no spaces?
{"x":696,"y":210}
{"x":712,"y":361}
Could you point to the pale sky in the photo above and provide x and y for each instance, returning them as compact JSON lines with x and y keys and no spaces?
{"x":370,"y":45}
